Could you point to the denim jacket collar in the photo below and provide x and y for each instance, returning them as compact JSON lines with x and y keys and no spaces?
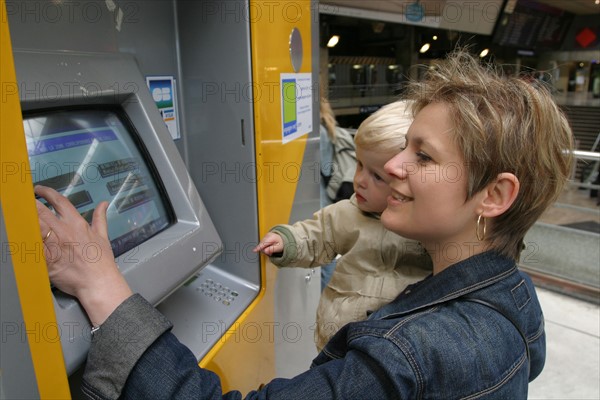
{"x":459,"y":279}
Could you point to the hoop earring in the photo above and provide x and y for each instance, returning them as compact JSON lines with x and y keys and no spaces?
{"x":478,"y":229}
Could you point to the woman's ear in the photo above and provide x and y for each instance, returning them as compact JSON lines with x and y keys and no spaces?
{"x":499,"y":195}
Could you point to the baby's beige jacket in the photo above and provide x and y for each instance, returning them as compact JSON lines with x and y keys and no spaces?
{"x":374,"y":266}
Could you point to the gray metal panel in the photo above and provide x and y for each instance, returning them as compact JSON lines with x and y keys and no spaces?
{"x":216,"y":69}
{"x":217,"y":95}
{"x":143,"y":28}
{"x":215,"y":299}
{"x":164,"y":262}
{"x":85,"y":25}
{"x":17,"y":377}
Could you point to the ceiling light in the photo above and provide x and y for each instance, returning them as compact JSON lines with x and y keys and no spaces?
{"x":378,"y":27}
{"x":333,"y":41}
{"x":424,"y":48}
{"x":435,"y":36}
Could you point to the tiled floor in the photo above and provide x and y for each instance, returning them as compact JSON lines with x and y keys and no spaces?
{"x":572,"y":368}
{"x":573,"y":205}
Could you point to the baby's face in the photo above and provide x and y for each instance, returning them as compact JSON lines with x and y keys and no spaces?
{"x":370,"y":180}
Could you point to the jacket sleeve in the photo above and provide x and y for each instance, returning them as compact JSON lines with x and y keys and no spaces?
{"x":118,"y":345}
{"x":168,"y":370}
{"x":312,"y":242}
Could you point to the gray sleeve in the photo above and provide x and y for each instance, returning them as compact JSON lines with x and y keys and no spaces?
{"x":120,"y":342}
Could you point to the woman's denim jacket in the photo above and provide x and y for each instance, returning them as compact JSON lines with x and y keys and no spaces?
{"x":458,"y":334}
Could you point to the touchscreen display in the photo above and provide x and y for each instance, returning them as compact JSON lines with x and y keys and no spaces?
{"x":91,"y":156}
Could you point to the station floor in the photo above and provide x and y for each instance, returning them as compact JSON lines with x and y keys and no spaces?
{"x":572,"y":369}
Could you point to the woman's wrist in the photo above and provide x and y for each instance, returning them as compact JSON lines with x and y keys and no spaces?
{"x":101,"y":301}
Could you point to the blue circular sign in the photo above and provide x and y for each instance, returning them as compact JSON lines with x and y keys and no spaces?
{"x":415,"y":12}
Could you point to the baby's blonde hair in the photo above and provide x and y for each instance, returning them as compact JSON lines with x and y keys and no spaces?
{"x":385,"y":130}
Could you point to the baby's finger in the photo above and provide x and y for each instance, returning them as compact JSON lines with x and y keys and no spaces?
{"x":269,"y":250}
{"x":259,"y":247}
{"x":263,"y":245}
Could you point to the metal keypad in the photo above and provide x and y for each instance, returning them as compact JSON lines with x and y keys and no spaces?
{"x":217,"y":292}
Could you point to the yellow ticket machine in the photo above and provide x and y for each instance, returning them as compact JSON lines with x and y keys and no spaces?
{"x":175,"y":112}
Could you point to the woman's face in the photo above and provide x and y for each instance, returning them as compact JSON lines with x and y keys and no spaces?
{"x":429,"y":185}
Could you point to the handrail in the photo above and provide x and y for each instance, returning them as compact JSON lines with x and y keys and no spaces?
{"x":585,"y":155}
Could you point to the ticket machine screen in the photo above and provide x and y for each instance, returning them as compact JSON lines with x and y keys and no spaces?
{"x":94,"y":155}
